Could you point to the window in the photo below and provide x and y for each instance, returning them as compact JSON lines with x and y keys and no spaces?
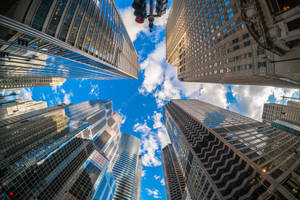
{"x":262,"y":64}
{"x":246,"y":35}
{"x":236,"y":47}
{"x":260,"y":51}
{"x":248,"y":66}
{"x":247,"y":43}
{"x":236,"y":40}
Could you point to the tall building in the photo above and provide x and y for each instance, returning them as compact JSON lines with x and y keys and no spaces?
{"x":65,"y":38}
{"x":286,"y":117}
{"x":225,"y":155}
{"x":12,"y":108}
{"x":174,"y":179}
{"x":234,"y":42}
{"x":274,"y":111}
{"x":16,"y":83}
{"x":127,"y":168}
{"x":58,"y":153}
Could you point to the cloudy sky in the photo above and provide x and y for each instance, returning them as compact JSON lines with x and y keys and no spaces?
{"x":141,"y":101}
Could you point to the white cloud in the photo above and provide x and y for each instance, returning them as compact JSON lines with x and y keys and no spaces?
{"x":157,"y":120}
{"x":252,"y":98}
{"x":95,"y":90}
{"x":160,"y":80}
{"x":156,"y":177}
{"x":43,"y":96}
{"x":152,"y":140}
{"x":161,"y":129}
{"x":162,"y":182}
{"x":152,"y":69}
{"x":67,"y":98}
{"x":133,"y":28}
{"x":154,"y":193}
{"x":143,"y":128}
{"x":25,"y":93}
{"x":150,"y":146}
{"x":143,"y":173}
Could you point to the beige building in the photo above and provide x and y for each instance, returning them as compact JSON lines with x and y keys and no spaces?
{"x":218,"y":43}
{"x":20,"y":106}
{"x":289,"y":112}
{"x":24,"y":82}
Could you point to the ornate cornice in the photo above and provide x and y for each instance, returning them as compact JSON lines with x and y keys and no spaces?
{"x":252,"y":15}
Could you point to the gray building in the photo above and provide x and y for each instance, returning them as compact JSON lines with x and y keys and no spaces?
{"x":225,"y":155}
{"x":235,"y":41}
{"x":68,"y":38}
{"x":174,"y":179}
{"x":58,"y":152}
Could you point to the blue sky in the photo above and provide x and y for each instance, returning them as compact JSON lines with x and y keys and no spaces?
{"x":141,"y":101}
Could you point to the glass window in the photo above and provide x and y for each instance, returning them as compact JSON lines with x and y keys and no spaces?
{"x":56,"y":17}
{"x":41,"y":14}
{"x":68,"y":19}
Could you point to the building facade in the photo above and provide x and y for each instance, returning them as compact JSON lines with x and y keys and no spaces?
{"x":274,"y":111}
{"x":58,"y":153}
{"x":127,"y":168}
{"x":174,"y":179}
{"x":16,"y":83}
{"x":285,"y":117}
{"x":220,"y":42}
{"x":15,"y":107}
{"x":225,"y":155}
{"x":68,"y":38}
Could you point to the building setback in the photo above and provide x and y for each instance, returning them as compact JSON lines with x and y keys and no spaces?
{"x":57,"y":152}
{"x":127,"y":168}
{"x":235,"y":42}
{"x":67,"y":38}
{"x":174,"y":179}
{"x":225,"y":155}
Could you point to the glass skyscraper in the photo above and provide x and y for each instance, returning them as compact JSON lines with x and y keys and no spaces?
{"x":224,"y":155}
{"x":59,"y":152}
{"x":127,"y":168}
{"x":65,"y":38}
{"x":175,"y":185}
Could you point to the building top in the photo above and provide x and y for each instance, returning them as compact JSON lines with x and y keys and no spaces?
{"x":90,"y":34}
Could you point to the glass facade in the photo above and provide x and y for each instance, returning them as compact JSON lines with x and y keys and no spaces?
{"x":127,"y":168}
{"x":175,"y":185}
{"x":54,"y":153}
{"x":224,"y":155}
{"x":65,"y":38}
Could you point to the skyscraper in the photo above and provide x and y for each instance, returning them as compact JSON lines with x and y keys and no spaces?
{"x":233,"y":42}
{"x":286,"y":117}
{"x":56,"y":153}
{"x":67,"y":38}
{"x":225,"y":155}
{"x":24,"y":82}
{"x":274,"y":111}
{"x":12,"y":108}
{"x":174,"y":179}
{"x":127,"y":168}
